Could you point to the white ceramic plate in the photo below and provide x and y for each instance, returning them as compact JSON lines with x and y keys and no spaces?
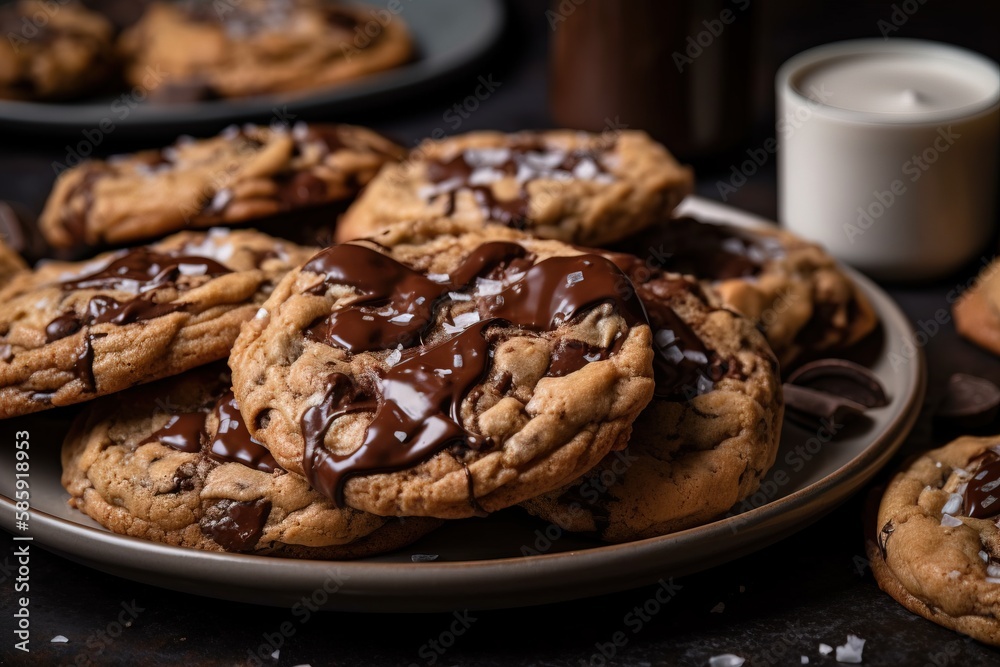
{"x":480,"y":561}
{"x":449,"y":36}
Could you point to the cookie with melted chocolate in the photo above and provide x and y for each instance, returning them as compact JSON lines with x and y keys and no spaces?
{"x":245,"y":175}
{"x":935,"y":545}
{"x":173,"y":462}
{"x":792,"y":289}
{"x":576,"y":187}
{"x":433,"y":372}
{"x":257,"y":47}
{"x":73,"y":331}
{"x":706,"y":439}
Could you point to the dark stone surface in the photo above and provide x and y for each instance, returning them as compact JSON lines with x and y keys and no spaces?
{"x":779,"y":603}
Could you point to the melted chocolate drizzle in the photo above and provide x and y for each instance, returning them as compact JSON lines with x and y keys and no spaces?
{"x":417,"y":414}
{"x":526,"y":161}
{"x":982,"y":495}
{"x":683,"y":367}
{"x":182,"y":432}
{"x":232,"y":441}
{"x":396,"y":304}
{"x":418,"y":402}
{"x":709,"y":251}
{"x":143,"y":269}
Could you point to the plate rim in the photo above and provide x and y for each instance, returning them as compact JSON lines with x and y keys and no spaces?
{"x":386,"y":586}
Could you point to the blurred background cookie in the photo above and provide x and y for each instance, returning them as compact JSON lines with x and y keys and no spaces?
{"x":259,"y":46}
{"x":54,"y":51}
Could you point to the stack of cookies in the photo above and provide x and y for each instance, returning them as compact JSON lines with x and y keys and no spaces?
{"x":505,"y":319}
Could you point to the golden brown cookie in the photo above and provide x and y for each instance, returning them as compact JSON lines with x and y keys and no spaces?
{"x":804,"y":303}
{"x":253,"y":47}
{"x":70,"y":332}
{"x":706,"y":439}
{"x":937,"y":550}
{"x":977,"y":313}
{"x":243,"y":175}
{"x":576,"y":187}
{"x":53,"y":50}
{"x":172,"y":462}
{"x":432,"y":372}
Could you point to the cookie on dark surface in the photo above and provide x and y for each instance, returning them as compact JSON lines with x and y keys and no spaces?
{"x":707,"y":438}
{"x":432,"y":371}
{"x":172,"y":462}
{"x":53,"y":51}
{"x":977,"y":312}
{"x":937,"y":543}
{"x":241,"y":176}
{"x":70,"y":332}
{"x":576,"y":187}
{"x":255,"y":47}
{"x":804,"y":303}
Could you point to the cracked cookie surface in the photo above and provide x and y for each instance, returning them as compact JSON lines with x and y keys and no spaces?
{"x":73,"y":331}
{"x":791,"y":288}
{"x":937,"y":543}
{"x":439,"y":372}
{"x":243,"y":175}
{"x":706,"y":439}
{"x":572,"y":186}
{"x":255,"y":47}
{"x":172,"y":462}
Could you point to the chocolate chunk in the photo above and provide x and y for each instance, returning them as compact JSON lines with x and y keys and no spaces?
{"x":236,"y":526}
{"x":232,"y":441}
{"x":982,"y":494}
{"x":182,"y":432}
{"x":883,"y":536}
{"x":970,"y":402}
{"x":843,"y":378}
{"x":807,"y":406}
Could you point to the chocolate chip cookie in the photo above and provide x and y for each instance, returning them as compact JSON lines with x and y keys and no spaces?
{"x":254,"y":47}
{"x":789,"y":287}
{"x":977,"y":312}
{"x":432,"y":372}
{"x":937,"y":547}
{"x":172,"y":462}
{"x":53,"y":50}
{"x":707,"y":438}
{"x":242,"y":175}
{"x":70,"y":332}
{"x":576,"y":187}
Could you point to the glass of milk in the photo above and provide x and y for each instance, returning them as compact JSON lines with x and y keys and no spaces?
{"x":888,"y":153}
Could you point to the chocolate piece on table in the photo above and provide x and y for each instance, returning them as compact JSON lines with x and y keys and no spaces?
{"x":832,"y":389}
{"x":970,"y":402}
